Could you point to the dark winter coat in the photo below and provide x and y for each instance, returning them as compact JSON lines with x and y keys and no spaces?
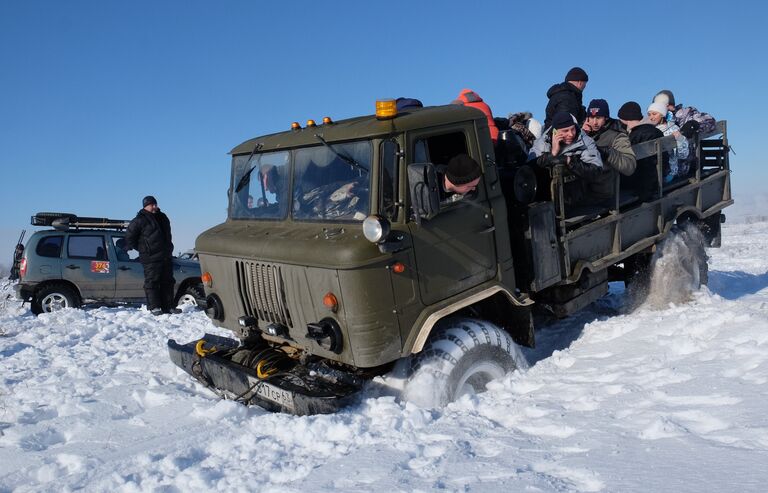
{"x":616,"y":152}
{"x":150,"y":234}
{"x":645,"y":181}
{"x":565,"y":97}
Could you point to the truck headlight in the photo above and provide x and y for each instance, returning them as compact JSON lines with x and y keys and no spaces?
{"x":376,"y":229}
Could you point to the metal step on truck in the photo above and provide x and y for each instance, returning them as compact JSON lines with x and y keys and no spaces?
{"x":338,"y":262}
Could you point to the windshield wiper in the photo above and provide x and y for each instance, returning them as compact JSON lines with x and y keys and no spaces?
{"x":350,"y":161}
{"x":246,"y":179}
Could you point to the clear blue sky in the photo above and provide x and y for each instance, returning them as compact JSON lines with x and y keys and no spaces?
{"x":103,"y":102}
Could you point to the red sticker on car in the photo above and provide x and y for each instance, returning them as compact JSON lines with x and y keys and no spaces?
{"x":99,"y":267}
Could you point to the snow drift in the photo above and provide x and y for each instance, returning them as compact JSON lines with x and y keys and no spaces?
{"x":669,"y":399}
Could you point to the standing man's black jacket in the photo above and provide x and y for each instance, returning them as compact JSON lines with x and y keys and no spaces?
{"x":565,"y":97}
{"x":150,"y":235}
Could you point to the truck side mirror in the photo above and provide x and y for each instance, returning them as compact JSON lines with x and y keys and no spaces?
{"x":425,"y":191}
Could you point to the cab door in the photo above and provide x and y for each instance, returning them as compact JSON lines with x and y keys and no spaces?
{"x":87,"y":266}
{"x":129,"y":283}
{"x":456,"y":249}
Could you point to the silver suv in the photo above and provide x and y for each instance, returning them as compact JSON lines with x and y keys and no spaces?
{"x":83,"y":260}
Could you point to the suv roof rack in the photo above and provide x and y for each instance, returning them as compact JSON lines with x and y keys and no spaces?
{"x":64,"y":221}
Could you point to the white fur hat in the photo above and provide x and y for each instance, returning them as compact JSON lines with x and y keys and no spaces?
{"x":661,"y":98}
{"x":658,"y":108}
{"x":534,"y":126}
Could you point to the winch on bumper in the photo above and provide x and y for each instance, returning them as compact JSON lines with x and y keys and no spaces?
{"x":265,"y":376}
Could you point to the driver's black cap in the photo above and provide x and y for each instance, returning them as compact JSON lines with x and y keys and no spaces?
{"x":462,"y":169}
{"x":148,"y":200}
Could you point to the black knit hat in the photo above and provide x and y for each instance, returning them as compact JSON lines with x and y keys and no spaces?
{"x":598,"y":107}
{"x":462,"y":169}
{"x":576,"y":74}
{"x":148,"y":200}
{"x":562,"y":119}
{"x":630,"y":111}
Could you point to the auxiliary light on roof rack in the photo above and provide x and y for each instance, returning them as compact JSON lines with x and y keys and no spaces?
{"x":64,"y":221}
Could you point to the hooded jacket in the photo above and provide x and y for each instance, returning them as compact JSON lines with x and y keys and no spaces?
{"x":468,"y":97}
{"x":150,"y":234}
{"x":565,"y":97}
{"x":583,"y":149}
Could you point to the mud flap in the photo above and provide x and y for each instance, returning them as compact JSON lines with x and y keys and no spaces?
{"x":279,"y":393}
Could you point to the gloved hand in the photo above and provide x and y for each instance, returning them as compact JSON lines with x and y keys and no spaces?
{"x":690,"y":129}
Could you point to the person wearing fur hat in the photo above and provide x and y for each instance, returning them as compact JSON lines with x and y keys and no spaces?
{"x":615,"y":150}
{"x":644,"y":182}
{"x":564,"y":143}
{"x":567,"y":96}
{"x":689,"y":119}
{"x":678,"y":166}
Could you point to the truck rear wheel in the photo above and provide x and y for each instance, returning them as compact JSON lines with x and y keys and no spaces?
{"x":679,"y":267}
{"x":460,"y":358}
{"x":55,"y":297}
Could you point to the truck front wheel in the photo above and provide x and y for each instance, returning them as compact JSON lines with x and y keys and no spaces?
{"x":460,"y":358}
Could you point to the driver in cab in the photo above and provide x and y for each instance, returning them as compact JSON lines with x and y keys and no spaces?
{"x":458,"y":179}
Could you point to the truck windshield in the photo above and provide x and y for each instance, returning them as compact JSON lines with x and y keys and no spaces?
{"x":332,"y":182}
{"x":263,"y":186}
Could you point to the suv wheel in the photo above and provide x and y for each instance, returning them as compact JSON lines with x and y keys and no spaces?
{"x":53,"y":298}
{"x":460,"y":358}
{"x":193,"y":295}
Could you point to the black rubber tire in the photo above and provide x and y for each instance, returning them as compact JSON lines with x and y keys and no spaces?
{"x":54,"y":297}
{"x":195,"y":291}
{"x":460,"y":357}
{"x":637,"y":276}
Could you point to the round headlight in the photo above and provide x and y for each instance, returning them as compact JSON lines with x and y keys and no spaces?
{"x":375,"y":229}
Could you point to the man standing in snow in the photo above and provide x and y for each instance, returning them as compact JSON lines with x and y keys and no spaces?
{"x":567,"y":96}
{"x":150,"y":234}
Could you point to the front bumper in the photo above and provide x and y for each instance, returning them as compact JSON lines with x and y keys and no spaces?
{"x":301,"y":391}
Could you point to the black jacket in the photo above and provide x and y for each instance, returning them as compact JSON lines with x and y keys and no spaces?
{"x":645,"y":182}
{"x":565,"y":97}
{"x":150,"y":234}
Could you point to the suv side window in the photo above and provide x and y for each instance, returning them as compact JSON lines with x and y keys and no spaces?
{"x":122,"y":254}
{"x":87,"y":247}
{"x":50,"y":246}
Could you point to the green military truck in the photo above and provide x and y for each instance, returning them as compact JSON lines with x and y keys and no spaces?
{"x":338,"y":261}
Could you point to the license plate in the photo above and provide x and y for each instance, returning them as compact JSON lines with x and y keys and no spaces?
{"x":272,"y":393}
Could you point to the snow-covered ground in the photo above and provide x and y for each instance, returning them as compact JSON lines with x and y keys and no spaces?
{"x":654,"y":400}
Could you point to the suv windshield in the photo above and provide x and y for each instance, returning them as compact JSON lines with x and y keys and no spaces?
{"x":330,"y":182}
{"x":263,"y":186}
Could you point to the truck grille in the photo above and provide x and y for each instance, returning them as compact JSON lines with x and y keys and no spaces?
{"x":262,"y":292}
